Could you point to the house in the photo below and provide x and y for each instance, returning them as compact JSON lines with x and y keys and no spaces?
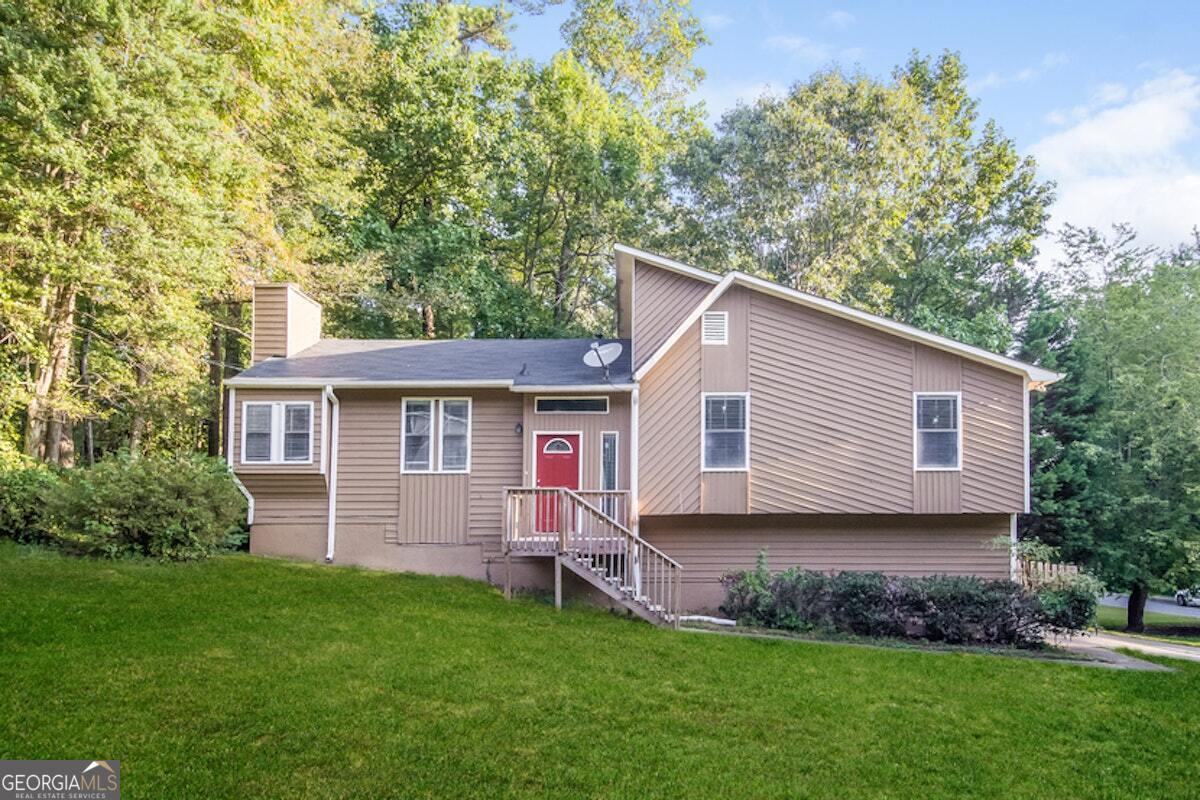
{"x":730,"y":415}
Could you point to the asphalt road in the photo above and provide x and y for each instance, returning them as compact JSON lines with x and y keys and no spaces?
{"x":1157,"y":606}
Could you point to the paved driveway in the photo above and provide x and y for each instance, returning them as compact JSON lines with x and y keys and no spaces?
{"x":1157,"y":606}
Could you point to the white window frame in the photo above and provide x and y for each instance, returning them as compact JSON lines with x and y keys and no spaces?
{"x":916,"y":432}
{"x":540,"y":398}
{"x":435,"y":435}
{"x":703,"y":430}
{"x":277,"y":432}
{"x":441,"y":418}
{"x":616,"y":460}
{"x":704,"y":337}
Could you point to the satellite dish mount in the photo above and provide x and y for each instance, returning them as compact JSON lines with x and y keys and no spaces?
{"x":603,"y":355}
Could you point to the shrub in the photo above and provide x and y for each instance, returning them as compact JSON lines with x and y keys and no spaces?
{"x":24,"y":491}
{"x":1069,"y":602}
{"x":165,"y":507}
{"x":943,"y":608}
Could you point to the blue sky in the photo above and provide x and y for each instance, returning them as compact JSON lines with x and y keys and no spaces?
{"x":1106,"y":95}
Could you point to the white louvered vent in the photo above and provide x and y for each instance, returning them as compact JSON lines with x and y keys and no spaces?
{"x":714,"y":327}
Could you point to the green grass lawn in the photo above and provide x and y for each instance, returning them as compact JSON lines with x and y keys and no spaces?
{"x":1163,"y":626}
{"x":245,"y":677}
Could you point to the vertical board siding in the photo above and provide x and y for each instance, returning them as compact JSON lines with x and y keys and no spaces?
{"x":708,"y":547}
{"x":669,"y":420}
{"x":936,"y":371}
{"x":591,"y":426}
{"x":269,"y":325}
{"x":243,"y":396}
{"x":496,"y":462}
{"x":993,"y":477}
{"x":830,"y":413}
{"x":433,"y":509}
{"x":661,"y":301}
{"x":724,"y":492}
{"x":726,"y":367}
{"x":369,"y":455}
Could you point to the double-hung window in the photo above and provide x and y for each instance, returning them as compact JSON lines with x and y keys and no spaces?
{"x":726,"y":420}
{"x":277,"y":432}
{"x":436,"y":435}
{"x":937,"y":430}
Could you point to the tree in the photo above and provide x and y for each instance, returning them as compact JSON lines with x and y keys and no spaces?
{"x":888,"y":196}
{"x":1117,"y":445}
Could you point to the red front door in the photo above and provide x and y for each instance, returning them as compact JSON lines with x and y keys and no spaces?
{"x":556,"y":465}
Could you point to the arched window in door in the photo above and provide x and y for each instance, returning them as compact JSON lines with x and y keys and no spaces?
{"x":557,"y":446}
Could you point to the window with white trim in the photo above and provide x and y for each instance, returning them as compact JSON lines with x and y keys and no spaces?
{"x":726,"y":429}
{"x":937,"y":429}
{"x":714,"y":327}
{"x":455,"y":450}
{"x":277,"y":432}
{"x":608,"y":471}
{"x":436,"y":434}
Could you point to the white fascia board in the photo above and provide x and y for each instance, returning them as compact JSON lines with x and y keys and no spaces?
{"x":668,"y":264}
{"x":321,"y":383}
{"x":574,"y":388}
{"x":687,"y":323}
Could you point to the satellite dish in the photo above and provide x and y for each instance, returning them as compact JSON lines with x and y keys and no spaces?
{"x":601,"y":355}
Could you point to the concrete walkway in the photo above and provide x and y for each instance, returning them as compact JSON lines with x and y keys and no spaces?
{"x":1104,"y":644}
{"x":1159,"y":605}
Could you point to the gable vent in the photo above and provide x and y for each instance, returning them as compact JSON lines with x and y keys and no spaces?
{"x":714,"y":327}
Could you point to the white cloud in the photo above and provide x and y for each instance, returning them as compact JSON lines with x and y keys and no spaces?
{"x":1109,"y":93}
{"x":839,"y":19}
{"x":716,"y":22}
{"x":721,"y":97}
{"x":812,"y":51}
{"x":1133,"y":162}
{"x":801,"y":47}
{"x":1025,"y":75}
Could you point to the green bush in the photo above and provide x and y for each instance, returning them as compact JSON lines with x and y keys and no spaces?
{"x":1069,"y":602}
{"x":164,"y":507}
{"x":24,"y":491}
{"x":942,"y":608}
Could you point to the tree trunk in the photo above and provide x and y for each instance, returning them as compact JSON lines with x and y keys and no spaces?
{"x":231,"y":364}
{"x":137,"y":427}
{"x":47,"y":432}
{"x":85,"y":381}
{"x":427,"y":312}
{"x":1135,"y":621}
{"x":216,"y":352}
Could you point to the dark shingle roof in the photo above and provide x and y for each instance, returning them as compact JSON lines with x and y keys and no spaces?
{"x":531,"y":362}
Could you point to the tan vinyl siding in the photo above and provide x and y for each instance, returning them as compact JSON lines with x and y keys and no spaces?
{"x":708,"y":547}
{"x":497,"y":453}
{"x":591,"y":426}
{"x":270,"y":321}
{"x":368,"y":456}
{"x":669,"y":419}
{"x":830,"y":414}
{"x":936,"y":371}
{"x":993,"y":476}
{"x":724,"y":492}
{"x":287,"y":499}
{"x":243,"y":396}
{"x":661,"y":301}
{"x":433,"y":509}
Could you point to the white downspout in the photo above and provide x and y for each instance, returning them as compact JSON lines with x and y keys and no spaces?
{"x":331,"y":531}
{"x":229,"y":457}
{"x":634,"y":515}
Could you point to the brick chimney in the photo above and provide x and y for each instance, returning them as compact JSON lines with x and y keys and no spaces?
{"x":285,"y":321}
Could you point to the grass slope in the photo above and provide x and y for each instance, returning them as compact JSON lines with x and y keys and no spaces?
{"x":244,"y":677}
{"x":1165,"y":626}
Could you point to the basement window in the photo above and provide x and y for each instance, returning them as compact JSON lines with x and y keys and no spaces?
{"x":277,"y":433}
